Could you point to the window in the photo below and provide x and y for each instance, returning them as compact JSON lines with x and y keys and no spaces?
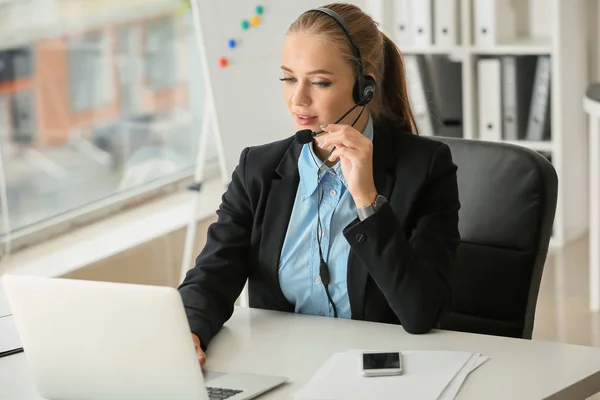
{"x":128,"y":69}
{"x":89,"y":72}
{"x":98,"y":116}
{"x":22,"y":116}
{"x":161,"y":70}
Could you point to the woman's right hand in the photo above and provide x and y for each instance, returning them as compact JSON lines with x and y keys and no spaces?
{"x":199,"y":352}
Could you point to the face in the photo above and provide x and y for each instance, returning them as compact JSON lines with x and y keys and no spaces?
{"x":317,"y":82}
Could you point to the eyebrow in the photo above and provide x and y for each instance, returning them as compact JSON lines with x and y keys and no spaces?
{"x":315,"y":72}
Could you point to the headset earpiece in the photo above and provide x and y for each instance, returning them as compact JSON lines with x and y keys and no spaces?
{"x":364,"y":90}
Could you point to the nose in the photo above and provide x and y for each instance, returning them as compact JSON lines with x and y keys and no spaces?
{"x":301,"y":95}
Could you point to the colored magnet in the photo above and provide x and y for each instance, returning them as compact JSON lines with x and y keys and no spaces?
{"x":255,"y":20}
{"x":223,"y":62}
{"x":245,"y":24}
{"x":231,"y":43}
{"x":259,"y":10}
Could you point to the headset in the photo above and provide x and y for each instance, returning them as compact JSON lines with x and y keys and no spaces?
{"x":362,"y":94}
{"x":364,"y":85}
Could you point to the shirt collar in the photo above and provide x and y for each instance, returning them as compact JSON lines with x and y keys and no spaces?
{"x":308,"y":164}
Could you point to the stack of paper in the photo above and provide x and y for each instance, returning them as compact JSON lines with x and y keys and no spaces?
{"x":435,"y":375}
{"x":9,"y":336}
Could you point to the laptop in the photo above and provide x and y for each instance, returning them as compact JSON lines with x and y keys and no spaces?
{"x":89,"y":340}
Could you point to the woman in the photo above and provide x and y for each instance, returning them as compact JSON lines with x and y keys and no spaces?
{"x":374,"y":236}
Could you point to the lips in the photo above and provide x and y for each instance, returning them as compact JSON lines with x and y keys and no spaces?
{"x":305,"y":119}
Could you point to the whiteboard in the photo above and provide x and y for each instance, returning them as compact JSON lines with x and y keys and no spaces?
{"x":248,"y":96}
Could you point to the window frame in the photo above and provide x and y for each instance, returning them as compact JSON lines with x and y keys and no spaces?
{"x":116,"y":202}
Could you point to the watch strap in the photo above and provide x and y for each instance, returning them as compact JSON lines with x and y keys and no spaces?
{"x":367,"y":211}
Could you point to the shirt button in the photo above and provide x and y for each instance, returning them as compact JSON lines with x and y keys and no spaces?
{"x":360,"y":238}
{"x":318,"y":280}
{"x":333,"y":193}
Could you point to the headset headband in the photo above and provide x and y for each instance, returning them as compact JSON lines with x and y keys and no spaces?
{"x":341,"y":23}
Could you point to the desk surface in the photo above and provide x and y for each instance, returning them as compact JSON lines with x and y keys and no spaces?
{"x":267,"y":342}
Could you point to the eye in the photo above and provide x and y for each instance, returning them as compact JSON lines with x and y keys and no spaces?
{"x":322,"y":84}
{"x":288,"y":80}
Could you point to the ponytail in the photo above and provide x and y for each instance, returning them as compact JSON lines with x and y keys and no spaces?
{"x":395,"y":104}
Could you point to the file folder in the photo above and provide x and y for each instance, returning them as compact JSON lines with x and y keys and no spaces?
{"x":489,"y":94}
{"x":422,"y":20}
{"x":446,"y":78}
{"x":495,"y":22}
{"x":446,"y":22}
{"x":421,"y":94}
{"x":380,"y":11}
{"x":402,"y":22}
{"x":539,"y":124}
{"x":517,"y":83}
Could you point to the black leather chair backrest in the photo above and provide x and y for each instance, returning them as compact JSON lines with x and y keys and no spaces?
{"x":508,"y":198}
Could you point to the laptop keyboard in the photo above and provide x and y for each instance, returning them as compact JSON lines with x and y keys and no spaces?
{"x":220,"y":393}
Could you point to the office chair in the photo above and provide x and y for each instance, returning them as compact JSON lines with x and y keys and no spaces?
{"x":508,"y":198}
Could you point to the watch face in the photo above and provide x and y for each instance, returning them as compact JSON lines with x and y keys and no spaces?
{"x":379,"y":201}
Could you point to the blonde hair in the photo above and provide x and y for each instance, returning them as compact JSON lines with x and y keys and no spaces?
{"x":380,"y":56}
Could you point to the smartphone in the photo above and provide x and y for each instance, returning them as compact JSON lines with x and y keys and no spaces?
{"x":377,"y":363}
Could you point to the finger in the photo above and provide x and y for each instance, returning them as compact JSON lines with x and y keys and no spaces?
{"x":334,"y":156}
{"x":201,"y":355}
{"x":343,"y":139}
{"x":339,"y":153}
{"x":356,"y":157}
{"x":335,"y":127}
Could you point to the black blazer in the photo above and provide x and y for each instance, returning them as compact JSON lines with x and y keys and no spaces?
{"x":400,"y":259}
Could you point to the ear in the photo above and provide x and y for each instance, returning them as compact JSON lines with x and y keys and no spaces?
{"x":372,"y":76}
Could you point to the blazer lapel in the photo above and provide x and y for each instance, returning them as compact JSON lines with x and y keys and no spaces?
{"x":383,"y":163}
{"x":278,"y":209}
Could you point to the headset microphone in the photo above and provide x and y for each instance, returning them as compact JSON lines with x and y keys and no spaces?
{"x":307,"y":135}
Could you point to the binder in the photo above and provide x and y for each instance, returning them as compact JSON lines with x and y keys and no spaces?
{"x":495,"y":22}
{"x":422,"y":20}
{"x":402,"y":22}
{"x":517,"y":83}
{"x":446,"y":77}
{"x":380,"y":11}
{"x":446,"y":22}
{"x":489,"y":93}
{"x":421,"y":95}
{"x":539,"y":124}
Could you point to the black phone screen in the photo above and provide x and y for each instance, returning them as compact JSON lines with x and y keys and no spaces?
{"x":381,"y":360}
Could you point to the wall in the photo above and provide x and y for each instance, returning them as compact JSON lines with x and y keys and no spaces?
{"x":594,"y":39}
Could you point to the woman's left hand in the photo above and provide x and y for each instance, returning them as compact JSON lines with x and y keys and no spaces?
{"x":355,"y":152}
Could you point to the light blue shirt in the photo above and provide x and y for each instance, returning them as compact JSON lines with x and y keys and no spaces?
{"x":299,"y":276}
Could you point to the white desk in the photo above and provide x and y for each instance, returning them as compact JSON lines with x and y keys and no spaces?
{"x":296,"y":345}
{"x":591,"y":104}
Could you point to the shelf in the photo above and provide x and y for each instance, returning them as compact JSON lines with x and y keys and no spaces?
{"x":537,"y":146}
{"x":409,"y":49}
{"x":520,"y":46}
{"x":551,"y":28}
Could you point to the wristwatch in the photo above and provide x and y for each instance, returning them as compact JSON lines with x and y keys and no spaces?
{"x":367,"y":211}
